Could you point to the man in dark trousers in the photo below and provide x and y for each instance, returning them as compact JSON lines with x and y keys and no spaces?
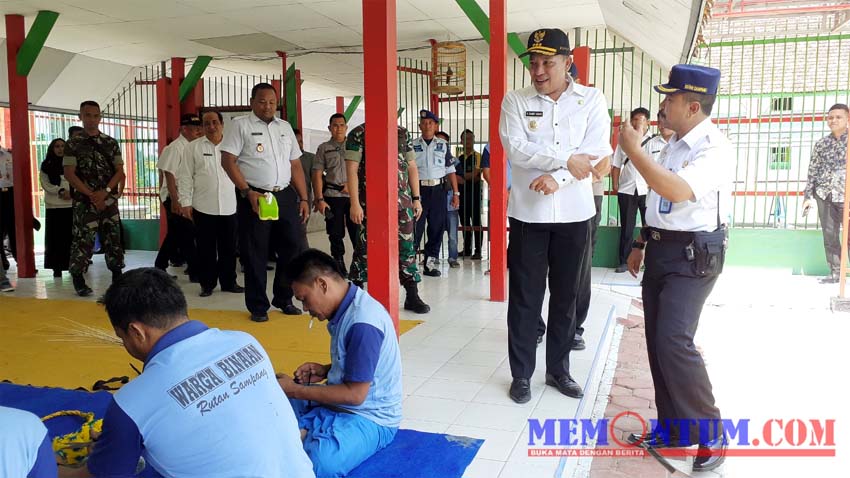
{"x":554,"y":133}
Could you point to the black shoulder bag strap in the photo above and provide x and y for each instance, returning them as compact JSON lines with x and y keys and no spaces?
{"x":641,"y":145}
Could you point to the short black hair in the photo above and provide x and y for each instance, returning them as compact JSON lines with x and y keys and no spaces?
{"x":334,"y":116}
{"x":217,"y":113}
{"x":147,"y":295}
{"x":640,"y":110}
{"x":261,"y":86}
{"x":839,"y":106}
{"x":465,"y":132}
{"x":74,"y":129}
{"x":308,"y":265}
{"x":706,"y":102}
{"x":444,"y":135}
{"x":89,"y":103}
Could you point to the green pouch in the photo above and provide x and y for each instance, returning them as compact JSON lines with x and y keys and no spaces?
{"x":268,"y":207}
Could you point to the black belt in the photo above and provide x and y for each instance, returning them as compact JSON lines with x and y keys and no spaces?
{"x":260,"y":190}
{"x":664,"y":235}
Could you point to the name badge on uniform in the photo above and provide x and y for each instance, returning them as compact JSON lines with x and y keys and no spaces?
{"x":664,"y":206}
{"x":260,"y":148}
{"x":208,"y":154}
{"x":534,"y":113}
{"x":256,"y":133}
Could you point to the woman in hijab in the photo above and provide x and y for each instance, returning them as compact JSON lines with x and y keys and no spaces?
{"x":57,"y":201}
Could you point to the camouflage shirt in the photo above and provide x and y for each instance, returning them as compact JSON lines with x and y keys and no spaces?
{"x":95,"y":158}
{"x":355,"y":150}
{"x":827,"y":168}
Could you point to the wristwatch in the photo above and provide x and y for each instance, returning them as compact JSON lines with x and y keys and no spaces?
{"x":415,"y":198}
{"x":456,"y":193}
{"x":244,"y":193}
{"x":108,"y":189}
{"x":638,"y":245}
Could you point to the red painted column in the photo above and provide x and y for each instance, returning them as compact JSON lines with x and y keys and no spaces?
{"x":498,"y":170}
{"x":340,"y":104}
{"x":162,"y":121}
{"x":282,"y":91}
{"x":298,"y":98}
{"x":278,"y":89}
{"x":178,"y":72}
{"x":20,"y":145}
{"x":581,"y":57}
{"x":379,"y":63}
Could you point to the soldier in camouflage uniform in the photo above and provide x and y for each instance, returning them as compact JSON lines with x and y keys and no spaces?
{"x":94,"y":168}
{"x":409,"y":209}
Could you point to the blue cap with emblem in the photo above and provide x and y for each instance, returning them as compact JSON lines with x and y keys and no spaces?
{"x":549,"y":42}
{"x":425,"y":114}
{"x":691,"y":78}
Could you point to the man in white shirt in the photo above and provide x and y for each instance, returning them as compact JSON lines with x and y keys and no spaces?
{"x":554,"y":132}
{"x":181,"y":234}
{"x":630,"y":188}
{"x":685,"y":241}
{"x":261,"y":156}
{"x":208,"y":198}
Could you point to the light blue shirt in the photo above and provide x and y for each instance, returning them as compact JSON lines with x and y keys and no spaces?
{"x":383,"y":402}
{"x":434,"y":161}
{"x":208,"y":404}
{"x":22,"y":435}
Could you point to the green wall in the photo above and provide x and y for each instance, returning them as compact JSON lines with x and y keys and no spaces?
{"x":801,"y":251}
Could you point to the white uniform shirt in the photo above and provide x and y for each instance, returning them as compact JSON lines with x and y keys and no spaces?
{"x":434,"y":160}
{"x":204,"y":184}
{"x":704,"y":158}
{"x":264,"y":150}
{"x":540,"y":135}
{"x":6,"y":169}
{"x":169,"y":161}
{"x":630,"y":178}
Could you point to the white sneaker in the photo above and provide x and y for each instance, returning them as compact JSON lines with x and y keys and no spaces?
{"x":7,"y":287}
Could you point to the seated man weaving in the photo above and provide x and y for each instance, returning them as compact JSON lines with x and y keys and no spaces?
{"x":207,"y":403}
{"x":358,"y":411}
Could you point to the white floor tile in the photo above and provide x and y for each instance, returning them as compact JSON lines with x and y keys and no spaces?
{"x":410,"y":383}
{"x":449,"y":389}
{"x":498,"y":444}
{"x":466,"y":373}
{"x":496,"y":417}
{"x":432,"y":409}
{"x":481,"y":468}
{"x":480,"y":358}
{"x":424,"y":426}
{"x":541,"y":468}
{"x":419,"y":367}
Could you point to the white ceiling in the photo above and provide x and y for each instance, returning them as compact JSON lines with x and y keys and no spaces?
{"x":110,"y":37}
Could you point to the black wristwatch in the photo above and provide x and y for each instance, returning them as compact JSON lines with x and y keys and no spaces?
{"x":638,"y":245}
{"x":244,"y":193}
{"x":415,"y":198}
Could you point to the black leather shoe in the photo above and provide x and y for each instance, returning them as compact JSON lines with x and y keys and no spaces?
{"x":654,"y":440}
{"x":829,"y":280}
{"x":578,"y":343}
{"x":290,"y":309}
{"x":206,"y":292}
{"x":621,"y":268}
{"x":520,"y":390}
{"x":432,"y":272}
{"x":711,"y":455}
{"x":80,"y":286}
{"x":236,"y":289}
{"x":565,"y":384}
{"x":259,"y":317}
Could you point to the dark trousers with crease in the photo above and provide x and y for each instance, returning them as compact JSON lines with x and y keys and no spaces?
{"x":434,"y":212}
{"x":255,"y":236}
{"x":338,"y":223}
{"x":541,"y":252}
{"x":216,"y":249}
{"x":673,"y":297}
{"x":630,"y":204}
{"x":180,"y":235}
{"x":829,"y":213}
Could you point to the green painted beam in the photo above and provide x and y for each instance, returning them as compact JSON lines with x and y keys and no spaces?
{"x":773,"y":41}
{"x":481,"y":22}
{"x":291,"y":97}
{"x":352,"y":107}
{"x":194,"y":75}
{"x":34,"y":41}
{"x":400,"y":111}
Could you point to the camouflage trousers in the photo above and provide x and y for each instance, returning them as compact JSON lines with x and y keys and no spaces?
{"x":87,"y":222}
{"x":408,"y":273}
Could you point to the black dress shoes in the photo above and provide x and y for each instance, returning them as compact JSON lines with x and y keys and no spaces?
{"x":259,"y":317}
{"x":236,"y":289}
{"x":206,"y":292}
{"x":520,"y":390}
{"x":710,"y":455}
{"x":654,"y":440}
{"x":565,"y":384}
{"x":290,"y":309}
{"x":578,"y":343}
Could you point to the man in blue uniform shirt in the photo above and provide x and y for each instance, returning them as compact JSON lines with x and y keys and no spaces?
{"x":25,"y":447}
{"x":207,"y":403}
{"x":358,"y":411}
{"x":687,"y":206}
